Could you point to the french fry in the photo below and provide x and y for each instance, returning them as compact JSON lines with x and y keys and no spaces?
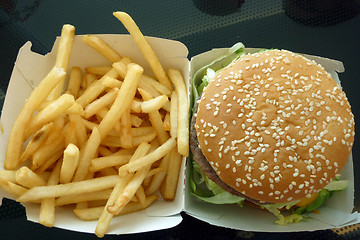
{"x":95,"y":89}
{"x":108,"y":171}
{"x":151,"y":173}
{"x":12,"y":188}
{"x":111,"y":82}
{"x":100,"y":115}
{"x":104,"y":151}
{"x":174,"y":115}
{"x":76,"y":198}
{"x":36,"y":141}
{"x":167,"y":122}
{"x":74,"y":82}
{"x":63,"y":56}
{"x":126,"y":139}
{"x":123,"y":99}
{"x":56,"y":130}
{"x":38,"y":95}
{"x":90,"y":78}
{"x":69,"y":163}
{"x":140,"y":194}
{"x":114,"y":141}
{"x":168,"y":190}
{"x":106,"y":217}
{"x":183,"y":107}
{"x":162,"y":89}
{"x":154,"y":104}
{"x":144,"y":138}
{"x":27,"y":178}
{"x":99,"y":70}
{"x":129,"y":191}
{"x":101,"y":47}
{"x":158,"y":179}
{"x":100,"y":163}
{"x":85,"y":186}
{"x":135,"y":106}
{"x":135,"y":120}
{"x":90,"y":214}
{"x":157,"y":154}
{"x":47,"y":207}
{"x":145,"y":48}
{"x":144,"y":83}
{"x":65,"y":46}
{"x":86,"y":155}
{"x":140,"y":131}
{"x":70,"y":134}
{"x":47,"y":150}
{"x":75,"y":109}
{"x":155,"y":119}
{"x":100,"y":103}
{"x":49,"y":162}
{"x":50,"y":113}
{"x":8,"y":175}
{"x":80,"y":129}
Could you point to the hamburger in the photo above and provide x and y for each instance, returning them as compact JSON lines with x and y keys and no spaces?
{"x":272,"y":129}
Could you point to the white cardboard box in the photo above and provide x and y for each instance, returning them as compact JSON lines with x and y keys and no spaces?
{"x":31,"y":67}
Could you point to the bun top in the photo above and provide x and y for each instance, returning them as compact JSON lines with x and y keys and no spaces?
{"x":275,"y":126}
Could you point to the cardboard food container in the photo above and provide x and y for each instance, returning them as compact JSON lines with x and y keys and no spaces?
{"x":29,"y":70}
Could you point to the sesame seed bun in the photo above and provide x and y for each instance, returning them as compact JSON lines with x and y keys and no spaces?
{"x":275,"y":126}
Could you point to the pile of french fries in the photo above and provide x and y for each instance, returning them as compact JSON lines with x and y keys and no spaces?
{"x":105,"y":142}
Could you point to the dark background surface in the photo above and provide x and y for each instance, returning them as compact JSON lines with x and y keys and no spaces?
{"x":328,"y":28}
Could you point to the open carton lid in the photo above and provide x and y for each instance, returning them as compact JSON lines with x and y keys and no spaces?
{"x":336,"y":212}
{"x":29,"y":70}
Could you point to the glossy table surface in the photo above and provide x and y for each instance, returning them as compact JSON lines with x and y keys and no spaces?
{"x":324,"y":28}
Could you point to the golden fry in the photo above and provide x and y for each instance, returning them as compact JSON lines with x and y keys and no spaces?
{"x":183,"y":107}
{"x":74,"y":82}
{"x":174,"y":114}
{"x":50,"y":113}
{"x":95,"y":89}
{"x":168,"y":190}
{"x":47,"y":207}
{"x":145,"y":48}
{"x":27,"y":178}
{"x":12,"y":188}
{"x":148,"y":159}
{"x":126,"y":139}
{"x":8,"y":175}
{"x":100,"y":70}
{"x":36,"y":141}
{"x":123,"y":99}
{"x":154,"y":104}
{"x":86,"y":155}
{"x":100,"y":163}
{"x":158,"y":179}
{"x":101,"y":47}
{"x":17,"y":134}
{"x":69,"y":163}
{"x":155,"y":119}
{"x":100,"y":103}
{"x":85,"y":186}
{"x":81,"y":197}
{"x":63,"y":56}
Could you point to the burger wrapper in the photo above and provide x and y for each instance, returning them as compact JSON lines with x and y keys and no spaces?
{"x":30,"y":68}
{"x":336,"y":212}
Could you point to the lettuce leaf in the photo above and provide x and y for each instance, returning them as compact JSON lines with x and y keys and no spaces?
{"x":208,"y":191}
